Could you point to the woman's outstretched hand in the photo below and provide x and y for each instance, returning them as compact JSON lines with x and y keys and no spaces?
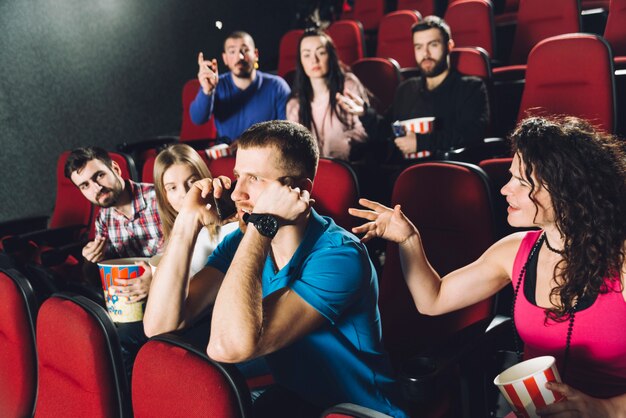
{"x":384,"y":222}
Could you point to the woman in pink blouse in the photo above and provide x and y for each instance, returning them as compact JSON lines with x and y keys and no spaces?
{"x":321,"y":83}
{"x":569,"y":181}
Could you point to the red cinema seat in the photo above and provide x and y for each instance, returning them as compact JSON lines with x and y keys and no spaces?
{"x":381,"y":76}
{"x":18,"y":355}
{"x":349,"y":40}
{"x":425,"y":7}
{"x":335,"y":189}
{"x":571,"y":75}
{"x":395,"y":39}
{"x":80,"y":361}
{"x":288,"y":51}
{"x":208,"y":389}
{"x":472,"y":24}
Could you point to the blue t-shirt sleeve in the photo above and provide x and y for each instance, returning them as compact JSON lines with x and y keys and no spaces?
{"x":202,"y":107}
{"x":221,"y":257}
{"x":333,"y":278}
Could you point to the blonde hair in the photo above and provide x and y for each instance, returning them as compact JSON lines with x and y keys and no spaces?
{"x":177,"y":154}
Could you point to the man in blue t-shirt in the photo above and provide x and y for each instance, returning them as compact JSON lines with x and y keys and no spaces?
{"x":242,"y":97}
{"x":290,"y":285}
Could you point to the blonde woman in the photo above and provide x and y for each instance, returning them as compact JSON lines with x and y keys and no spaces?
{"x":175,"y":170}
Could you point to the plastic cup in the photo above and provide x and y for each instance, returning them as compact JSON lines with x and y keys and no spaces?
{"x":524,"y":385}
{"x":119,"y":307}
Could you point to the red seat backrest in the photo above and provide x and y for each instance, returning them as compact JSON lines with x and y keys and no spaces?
{"x":348,"y":38}
{"x":288,"y":51}
{"x":381,"y":76}
{"x":335,"y":189}
{"x":536,"y":22}
{"x":471,"y":61}
{"x":18,"y":361}
{"x":471,"y":23}
{"x":395,"y":39}
{"x":615,"y":29}
{"x":189,"y":131}
{"x":450,"y":204}
{"x":147,"y":171}
{"x":80,"y":362}
{"x":70,"y":207}
{"x":208,"y":388}
{"x":369,"y":13}
{"x":571,"y":75}
{"x":425,"y":7}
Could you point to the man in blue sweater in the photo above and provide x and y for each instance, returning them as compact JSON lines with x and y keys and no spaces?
{"x":241,"y":97}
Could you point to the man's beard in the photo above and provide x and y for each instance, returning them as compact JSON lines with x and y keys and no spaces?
{"x":439,"y":67}
{"x":112,"y":200}
{"x":245,"y":70}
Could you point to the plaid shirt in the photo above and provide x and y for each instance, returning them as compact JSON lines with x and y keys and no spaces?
{"x":137,"y":236}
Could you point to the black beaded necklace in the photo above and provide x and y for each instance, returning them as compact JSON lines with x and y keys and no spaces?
{"x":572,"y":312}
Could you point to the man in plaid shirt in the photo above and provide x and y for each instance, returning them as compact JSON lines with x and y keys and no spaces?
{"x":128,"y":225}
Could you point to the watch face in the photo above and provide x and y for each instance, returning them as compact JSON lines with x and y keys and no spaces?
{"x":267,"y":225}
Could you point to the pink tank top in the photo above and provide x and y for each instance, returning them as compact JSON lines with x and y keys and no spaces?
{"x":597,"y":358}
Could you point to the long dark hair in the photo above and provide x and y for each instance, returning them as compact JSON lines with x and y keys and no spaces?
{"x":335,"y":80}
{"x":584,"y":171}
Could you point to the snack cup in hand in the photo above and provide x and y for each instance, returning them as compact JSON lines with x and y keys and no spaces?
{"x":419,"y":126}
{"x":219,"y":151}
{"x":120,"y":309}
{"x":524,"y":385}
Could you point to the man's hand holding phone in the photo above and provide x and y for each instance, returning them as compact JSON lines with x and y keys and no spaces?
{"x":203,"y":199}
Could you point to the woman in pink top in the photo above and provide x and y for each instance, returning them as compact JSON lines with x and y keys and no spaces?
{"x":569,"y":180}
{"x":320,"y":86}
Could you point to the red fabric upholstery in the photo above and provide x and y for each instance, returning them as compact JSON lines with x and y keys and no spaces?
{"x":335,"y":189}
{"x":571,"y":75}
{"x":450,"y":204}
{"x":348,"y":38}
{"x":471,"y":61}
{"x":189,"y":131}
{"x":394,"y":37}
{"x":205,"y":389}
{"x":349,"y":410}
{"x":425,"y":7}
{"x":80,"y":364}
{"x":147,"y":171}
{"x":615,"y":29}
{"x":369,"y":13}
{"x":18,"y":358}
{"x":536,"y":22}
{"x":221,"y":167}
{"x":472,"y":24}
{"x":288,"y":51}
{"x":70,"y":207}
{"x":381,"y":76}
{"x":593,"y":4}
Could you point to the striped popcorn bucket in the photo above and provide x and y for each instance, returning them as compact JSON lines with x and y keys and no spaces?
{"x":118,"y":306}
{"x":219,"y":151}
{"x":419,"y":126}
{"x":524,"y":385}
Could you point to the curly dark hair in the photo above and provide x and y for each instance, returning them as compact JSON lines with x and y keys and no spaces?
{"x":335,"y":79}
{"x":584,"y":171}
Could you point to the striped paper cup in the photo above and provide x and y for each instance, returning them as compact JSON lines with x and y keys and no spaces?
{"x":219,"y":151}
{"x":524,"y":385}
{"x":119,"y":307}
{"x":418,"y":125}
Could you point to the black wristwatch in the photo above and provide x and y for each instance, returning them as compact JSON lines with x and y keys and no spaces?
{"x":267,"y":225}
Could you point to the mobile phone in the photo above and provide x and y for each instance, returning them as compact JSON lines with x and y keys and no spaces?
{"x":224,"y":205}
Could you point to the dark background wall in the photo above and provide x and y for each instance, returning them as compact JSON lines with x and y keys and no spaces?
{"x":101,"y":72}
